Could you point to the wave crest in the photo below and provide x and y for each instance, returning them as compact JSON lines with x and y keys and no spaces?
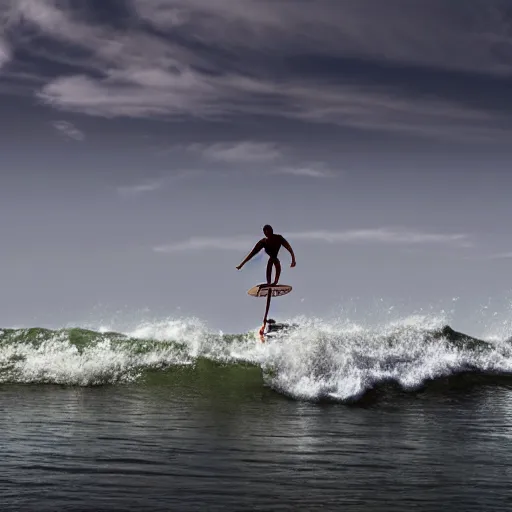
{"x":314,"y":361}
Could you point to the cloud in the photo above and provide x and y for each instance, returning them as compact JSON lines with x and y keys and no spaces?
{"x":312,"y":171}
{"x":198,"y":243}
{"x":252,"y":152}
{"x":386,"y":236}
{"x":189,"y":93}
{"x":5,"y":53}
{"x":155,"y":184}
{"x":69,"y":130}
{"x":239,"y":152}
{"x":139,"y":188}
{"x":254,"y":58}
{"x":380,"y":235}
{"x":397,"y":30}
{"x":499,"y":256}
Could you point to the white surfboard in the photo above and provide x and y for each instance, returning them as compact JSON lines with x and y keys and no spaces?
{"x":263,"y":290}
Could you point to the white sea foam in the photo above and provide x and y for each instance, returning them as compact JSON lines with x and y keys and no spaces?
{"x":54,"y":359}
{"x":341,"y":360}
{"x":319,"y":360}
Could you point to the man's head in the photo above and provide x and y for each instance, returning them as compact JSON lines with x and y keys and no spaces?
{"x":267,"y":230}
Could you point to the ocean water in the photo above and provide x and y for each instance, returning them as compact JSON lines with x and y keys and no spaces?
{"x":172,"y":416}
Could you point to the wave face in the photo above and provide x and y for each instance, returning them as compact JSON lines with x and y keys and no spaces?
{"x":312,"y":362}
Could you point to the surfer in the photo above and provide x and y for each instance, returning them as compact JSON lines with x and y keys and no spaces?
{"x":271,"y":243}
{"x":274,"y":328}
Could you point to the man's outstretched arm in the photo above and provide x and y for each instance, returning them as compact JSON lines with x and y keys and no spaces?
{"x":288,"y":247}
{"x":256,"y":250}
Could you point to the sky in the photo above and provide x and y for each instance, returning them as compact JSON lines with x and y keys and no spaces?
{"x":144,"y":144}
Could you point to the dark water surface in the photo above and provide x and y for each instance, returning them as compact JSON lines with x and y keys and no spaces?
{"x":211,"y":447}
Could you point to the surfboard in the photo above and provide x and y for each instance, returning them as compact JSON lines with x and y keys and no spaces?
{"x":263,"y":290}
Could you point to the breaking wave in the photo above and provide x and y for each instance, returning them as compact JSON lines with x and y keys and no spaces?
{"x":314,"y":361}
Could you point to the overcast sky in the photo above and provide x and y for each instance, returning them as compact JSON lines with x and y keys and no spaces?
{"x":144,"y":144}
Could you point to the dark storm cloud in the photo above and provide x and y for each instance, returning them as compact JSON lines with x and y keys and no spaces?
{"x":431,"y":68}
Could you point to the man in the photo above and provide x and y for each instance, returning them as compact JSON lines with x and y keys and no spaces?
{"x":271,"y":243}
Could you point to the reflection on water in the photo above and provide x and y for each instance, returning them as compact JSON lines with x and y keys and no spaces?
{"x":197,"y":448}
